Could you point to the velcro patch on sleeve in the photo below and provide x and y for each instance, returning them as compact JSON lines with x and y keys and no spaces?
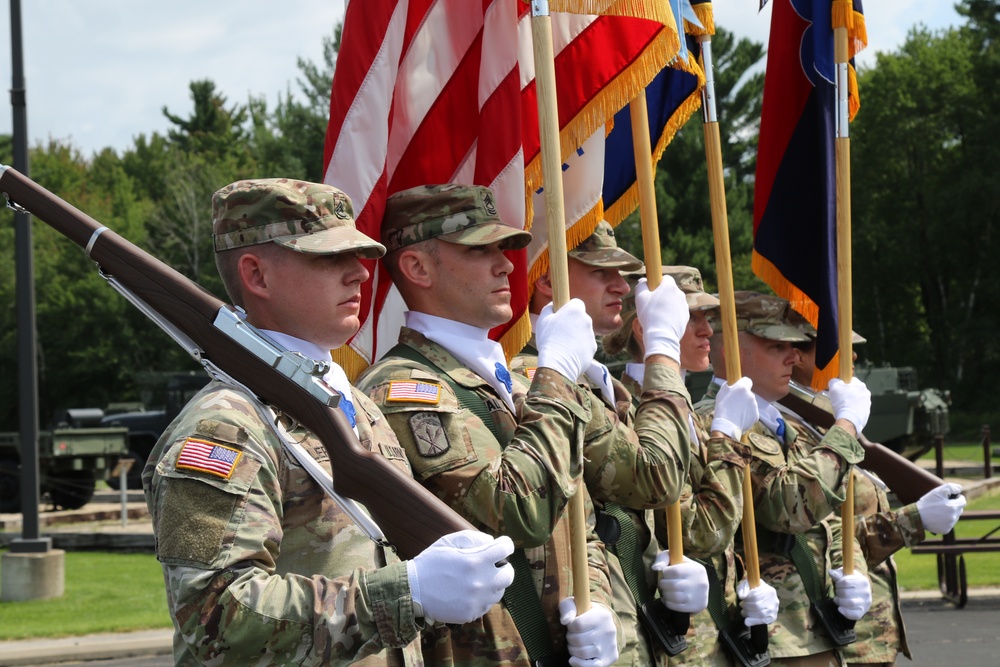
{"x":412,"y":391}
{"x":530,"y":372}
{"x":208,"y":457}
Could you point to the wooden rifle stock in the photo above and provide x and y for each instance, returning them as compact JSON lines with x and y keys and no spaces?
{"x":904,"y":477}
{"x":411,"y":517}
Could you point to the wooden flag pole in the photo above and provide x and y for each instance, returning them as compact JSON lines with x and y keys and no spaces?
{"x":724,"y":268}
{"x":555,"y":217}
{"x":845,"y":324}
{"x":643,"y":150}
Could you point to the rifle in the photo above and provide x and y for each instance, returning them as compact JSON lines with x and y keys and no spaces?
{"x":231,"y":350}
{"x":905,"y":478}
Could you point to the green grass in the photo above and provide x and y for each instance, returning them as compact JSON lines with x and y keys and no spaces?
{"x":105,"y":592}
{"x":919,"y":572}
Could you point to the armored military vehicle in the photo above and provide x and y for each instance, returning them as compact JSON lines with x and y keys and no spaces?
{"x":904,"y":417}
{"x":71,"y":457}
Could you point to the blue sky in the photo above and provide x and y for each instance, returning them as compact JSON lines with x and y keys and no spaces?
{"x":99,"y":72}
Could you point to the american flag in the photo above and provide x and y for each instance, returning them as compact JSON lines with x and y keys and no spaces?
{"x":424,"y":92}
{"x":210,"y":457}
{"x":406,"y":390}
{"x":442,"y":91}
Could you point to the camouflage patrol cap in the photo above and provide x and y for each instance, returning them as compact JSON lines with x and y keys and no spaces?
{"x":463,"y":214}
{"x":601,"y":249}
{"x":306,"y":217}
{"x":688,"y":279}
{"x":762,"y":315}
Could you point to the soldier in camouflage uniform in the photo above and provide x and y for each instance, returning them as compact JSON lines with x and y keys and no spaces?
{"x":505,"y":454}
{"x":712,"y":500}
{"x":880,"y":529}
{"x":795,"y":487}
{"x":261,"y":566}
{"x":636,"y":457}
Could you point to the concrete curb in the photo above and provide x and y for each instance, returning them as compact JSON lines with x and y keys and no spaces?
{"x":89,"y":647}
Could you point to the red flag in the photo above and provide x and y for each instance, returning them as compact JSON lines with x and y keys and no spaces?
{"x":795,"y":249}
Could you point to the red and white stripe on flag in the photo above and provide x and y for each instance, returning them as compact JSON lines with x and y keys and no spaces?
{"x":442,"y":91}
{"x":208,"y":457}
{"x":424,"y":92}
{"x":601,"y":63}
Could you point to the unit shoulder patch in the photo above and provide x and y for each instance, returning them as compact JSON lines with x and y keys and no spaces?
{"x":209,"y":457}
{"x":764,"y":443}
{"x":413,"y":391}
{"x":429,"y":434}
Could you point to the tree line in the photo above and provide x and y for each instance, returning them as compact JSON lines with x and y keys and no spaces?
{"x":924,"y":168}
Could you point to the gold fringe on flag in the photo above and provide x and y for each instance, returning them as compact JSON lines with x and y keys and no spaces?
{"x":706,"y":15}
{"x":843,"y":14}
{"x":802,"y":304}
{"x":618,"y":93}
{"x":517,"y":336}
{"x":575,"y":235}
{"x":628,"y":202}
{"x":853,"y":98}
{"x":857,"y":35}
{"x":653,"y":10}
{"x":350,"y":360}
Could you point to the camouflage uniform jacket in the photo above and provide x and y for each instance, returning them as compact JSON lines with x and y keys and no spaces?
{"x":795,"y":487}
{"x":518,"y":487}
{"x":263,"y":568}
{"x":881,"y":531}
{"x":711,"y":511}
{"x":635,"y":455}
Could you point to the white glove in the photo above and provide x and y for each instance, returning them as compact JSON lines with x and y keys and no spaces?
{"x":565,"y":338}
{"x":851,"y":401}
{"x":735,"y":408}
{"x":683,"y":587}
{"x":939,"y":512}
{"x":456,"y":580}
{"x":854,"y":593}
{"x":591,"y":637}
{"x":759,"y":606}
{"x":663,"y":314}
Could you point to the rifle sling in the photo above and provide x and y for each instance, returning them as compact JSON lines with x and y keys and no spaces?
{"x":629,"y":556}
{"x":521,"y":597}
{"x":839,"y":629}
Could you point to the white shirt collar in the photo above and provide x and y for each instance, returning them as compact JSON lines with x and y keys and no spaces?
{"x":470,"y":345}
{"x":335,"y":377}
{"x":636,"y":371}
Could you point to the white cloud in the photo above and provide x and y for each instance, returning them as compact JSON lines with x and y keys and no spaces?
{"x":99,"y":72}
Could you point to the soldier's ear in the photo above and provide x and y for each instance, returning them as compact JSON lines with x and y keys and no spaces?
{"x":543,"y":286}
{"x":253,"y":274}
{"x":415,"y":267}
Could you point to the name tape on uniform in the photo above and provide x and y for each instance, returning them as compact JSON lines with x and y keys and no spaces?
{"x":412,"y":391}
{"x":208,"y":457}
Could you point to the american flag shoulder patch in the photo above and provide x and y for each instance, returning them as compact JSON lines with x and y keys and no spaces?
{"x":208,"y":457}
{"x":412,"y":391}
{"x":530,"y":372}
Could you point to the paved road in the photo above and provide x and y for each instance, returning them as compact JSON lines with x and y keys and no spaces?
{"x":939,"y":634}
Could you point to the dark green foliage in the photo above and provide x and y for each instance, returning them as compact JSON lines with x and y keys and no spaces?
{"x":682,"y":201}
